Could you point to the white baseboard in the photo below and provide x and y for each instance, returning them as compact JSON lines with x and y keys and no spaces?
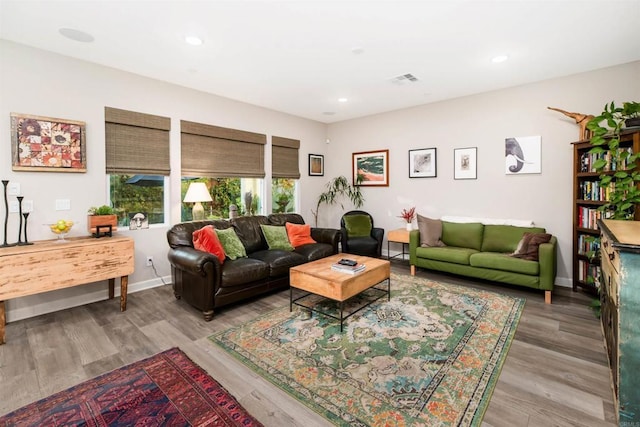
{"x":49,"y":305}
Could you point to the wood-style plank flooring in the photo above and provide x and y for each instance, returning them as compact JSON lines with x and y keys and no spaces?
{"x":556,"y":373}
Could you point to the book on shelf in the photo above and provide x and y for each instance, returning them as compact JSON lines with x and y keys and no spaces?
{"x":351,"y":269}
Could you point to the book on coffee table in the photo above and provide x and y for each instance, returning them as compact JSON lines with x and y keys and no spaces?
{"x":351,"y":269}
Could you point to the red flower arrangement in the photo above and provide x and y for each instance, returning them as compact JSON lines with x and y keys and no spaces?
{"x":408,"y":215}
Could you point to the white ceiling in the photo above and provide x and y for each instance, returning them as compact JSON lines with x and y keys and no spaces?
{"x":300,"y":56}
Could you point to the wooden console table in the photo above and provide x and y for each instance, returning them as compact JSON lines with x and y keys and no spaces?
{"x":47,"y":265}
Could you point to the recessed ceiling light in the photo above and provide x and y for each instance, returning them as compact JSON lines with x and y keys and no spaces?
{"x":358,"y":50}
{"x":499,"y":58}
{"x":342,"y":99}
{"x":193,"y":40}
{"x":76,"y":35}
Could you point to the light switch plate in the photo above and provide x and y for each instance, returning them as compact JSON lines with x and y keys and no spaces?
{"x":63,"y":204}
{"x":13,"y":206}
{"x":13,"y":189}
{"x":27,"y":206}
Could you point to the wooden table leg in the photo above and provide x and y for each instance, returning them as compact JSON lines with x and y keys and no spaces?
{"x":2,"y":321}
{"x":124,"y":282}
{"x":112,"y":285}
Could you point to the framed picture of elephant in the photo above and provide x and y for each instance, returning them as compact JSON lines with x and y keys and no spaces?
{"x":522,"y":155}
{"x":465,"y":163}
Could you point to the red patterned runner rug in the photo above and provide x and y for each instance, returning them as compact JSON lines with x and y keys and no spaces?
{"x":165,"y":389}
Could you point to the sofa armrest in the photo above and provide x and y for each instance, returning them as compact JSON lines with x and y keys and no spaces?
{"x":547,"y":259}
{"x":414,"y":243}
{"x":326,"y":235}
{"x":193,"y":261}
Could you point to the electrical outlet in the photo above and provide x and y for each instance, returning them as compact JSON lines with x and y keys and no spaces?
{"x":149,"y":261}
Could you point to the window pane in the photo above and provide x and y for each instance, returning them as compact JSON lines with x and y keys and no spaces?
{"x":283,"y":195}
{"x":225,"y":192}
{"x":131,"y":194}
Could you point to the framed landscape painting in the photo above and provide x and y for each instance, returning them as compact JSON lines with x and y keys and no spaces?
{"x":47,"y":144}
{"x":316,"y":165}
{"x":371,"y":168}
{"x":422,"y":163}
{"x":465,"y":163}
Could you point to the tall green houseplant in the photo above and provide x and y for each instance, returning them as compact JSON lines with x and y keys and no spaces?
{"x":337,"y":189}
{"x":617,"y":170}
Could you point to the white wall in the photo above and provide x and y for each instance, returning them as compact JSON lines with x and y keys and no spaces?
{"x":40,"y":83}
{"x":484,"y":121}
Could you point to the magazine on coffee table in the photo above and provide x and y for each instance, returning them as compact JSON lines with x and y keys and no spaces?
{"x":351,"y":269}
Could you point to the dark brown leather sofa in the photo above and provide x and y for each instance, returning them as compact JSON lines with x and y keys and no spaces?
{"x":200,"y":279}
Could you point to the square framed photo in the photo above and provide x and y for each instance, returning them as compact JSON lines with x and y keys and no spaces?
{"x":422,"y":163}
{"x":371,"y":168}
{"x":465,"y":163}
{"x":316,"y":165}
{"x":522,"y":155}
{"x":47,"y":144}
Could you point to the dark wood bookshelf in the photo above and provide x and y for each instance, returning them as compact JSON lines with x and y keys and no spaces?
{"x":586,"y":270}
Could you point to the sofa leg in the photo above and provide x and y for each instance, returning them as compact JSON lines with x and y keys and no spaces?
{"x":413,"y":270}
{"x":208,"y":315}
{"x":177,"y":295}
{"x":547,"y":297}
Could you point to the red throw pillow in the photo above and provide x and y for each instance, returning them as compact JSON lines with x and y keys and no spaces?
{"x":299,"y":234}
{"x":207,"y":240}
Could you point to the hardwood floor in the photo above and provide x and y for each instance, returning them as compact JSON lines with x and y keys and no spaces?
{"x":556,"y":373}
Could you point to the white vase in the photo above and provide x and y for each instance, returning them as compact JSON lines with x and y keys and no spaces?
{"x":409,"y":226}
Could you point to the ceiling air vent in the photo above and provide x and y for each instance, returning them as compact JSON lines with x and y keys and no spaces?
{"x":404,"y":78}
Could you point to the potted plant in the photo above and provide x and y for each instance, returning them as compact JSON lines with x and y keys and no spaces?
{"x":631,"y":110}
{"x":617,"y":171}
{"x":336,"y":188}
{"x":101,"y":216}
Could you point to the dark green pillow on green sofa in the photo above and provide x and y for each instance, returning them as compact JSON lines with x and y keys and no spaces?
{"x":358,"y":225}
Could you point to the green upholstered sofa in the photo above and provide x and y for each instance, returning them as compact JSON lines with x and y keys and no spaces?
{"x":482,"y":251}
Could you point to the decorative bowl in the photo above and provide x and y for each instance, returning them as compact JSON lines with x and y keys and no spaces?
{"x":61,"y":228}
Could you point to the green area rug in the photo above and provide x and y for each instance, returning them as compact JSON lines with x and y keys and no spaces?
{"x":429,"y":357}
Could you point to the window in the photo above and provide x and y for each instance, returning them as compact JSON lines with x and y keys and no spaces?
{"x":285,"y":172}
{"x":225,"y":192}
{"x":131,"y":194}
{"x":137,"y":163}
{"x":283,"y":195}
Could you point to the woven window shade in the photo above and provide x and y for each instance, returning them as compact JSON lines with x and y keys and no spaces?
{"x":218,"y":152}
{"x":136,"y":143}
{"x":284,"y":158}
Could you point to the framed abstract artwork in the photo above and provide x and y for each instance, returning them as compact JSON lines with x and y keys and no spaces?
{"x":422,"y":163}
{"x":371,"y":168}
{"x":316,"y":165}
{"x":465,"y":163}
{"x":47,"y":144}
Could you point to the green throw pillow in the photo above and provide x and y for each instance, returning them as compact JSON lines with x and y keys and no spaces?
{"x":231,"y":243}
{"x":358,"y":225}
{"x":276,"y":237}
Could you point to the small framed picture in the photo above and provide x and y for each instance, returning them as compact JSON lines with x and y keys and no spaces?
{"x":422,"y":163}
{"x":465,"y":163}
{"x":316,"y":165}
{"x":371,"y":168}
{"x":138,"y":221}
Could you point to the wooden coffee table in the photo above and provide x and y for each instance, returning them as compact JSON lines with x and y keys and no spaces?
{"x":317,"y":278}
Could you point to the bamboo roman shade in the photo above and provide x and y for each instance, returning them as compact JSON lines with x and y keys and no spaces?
{"x":284,"y":157}
{"x":218,"y":152}
{"x":136,"y":143}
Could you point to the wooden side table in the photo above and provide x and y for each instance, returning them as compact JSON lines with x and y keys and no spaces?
{"x":401,"y":235}
{"x":48,"y":265}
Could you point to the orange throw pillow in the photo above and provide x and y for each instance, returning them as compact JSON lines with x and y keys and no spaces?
{"x":207,"y":240}
{"x":299,"y":234}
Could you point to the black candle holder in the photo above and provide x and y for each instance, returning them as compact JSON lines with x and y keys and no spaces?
{"x":26,"y":240}
{"x":5,"y":182}
{"x":20,"y":216}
